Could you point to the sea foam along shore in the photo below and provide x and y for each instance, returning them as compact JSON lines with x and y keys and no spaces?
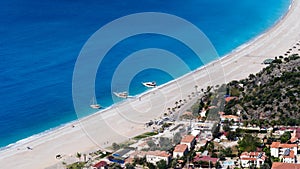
{"x":117,"y":125}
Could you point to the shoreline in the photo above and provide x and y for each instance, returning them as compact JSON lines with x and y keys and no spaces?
{"x":227,"y":59}
{"x":224,"y":57}
{"x":256,"y":38}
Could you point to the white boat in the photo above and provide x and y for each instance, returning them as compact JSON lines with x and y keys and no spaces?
{"x":123,"y":95}
{"x":94,"y":104}
{"x":149,"y":84}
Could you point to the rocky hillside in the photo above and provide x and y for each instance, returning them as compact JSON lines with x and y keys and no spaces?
{"x":270,"y":97}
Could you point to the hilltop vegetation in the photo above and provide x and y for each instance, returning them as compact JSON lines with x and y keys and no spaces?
{"x":271,"y":97}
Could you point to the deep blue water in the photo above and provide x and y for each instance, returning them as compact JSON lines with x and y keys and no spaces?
{"x":40,"y":41}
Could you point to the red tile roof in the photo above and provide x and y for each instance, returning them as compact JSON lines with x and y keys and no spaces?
{"x":229,"y":117}
{"x":275,"y":144}
{"x":129,"y":160}
{"x":244,"y":154}
{"x":181,"y":148}
{"x":248,"y":158}
{"x":227,"y":99}
{"x":100,"y":164}
{"x":254,"y":153}
{"x":278,"y":165}
{"x":252,"y":156}
{"x":159,"y":153}
{"x":278,"y":145}
{"x":188,"y":139}
{"x":288,"y":145}
{"x":205,"y":158}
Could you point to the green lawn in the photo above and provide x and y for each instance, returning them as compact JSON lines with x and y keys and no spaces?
{"x":145,"y":135}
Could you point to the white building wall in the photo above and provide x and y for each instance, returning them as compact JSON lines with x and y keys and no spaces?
{"x":288,"y":160}
{"x":244,"y":163}
{"x":274,"y":152}
{"x":154,"y":159}
{"x":259,"y":162}
{"x":178,"y":154}
{"x":295,"y":149}
{"x":188,"y":144}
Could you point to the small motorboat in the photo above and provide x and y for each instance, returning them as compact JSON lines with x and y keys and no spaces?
{"x":123,"y":95}
{"x":149,"y":84}
{"x":94,"y":104}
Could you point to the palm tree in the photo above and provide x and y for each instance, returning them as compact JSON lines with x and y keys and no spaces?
{"x":208,"y":88}
{"x":176,"y":103}
{"x":84,"y":157}
{"x":196,"y":87}
{"x":169,"y":109}
{"x":78,"y":155}
{"x":180,"y":101}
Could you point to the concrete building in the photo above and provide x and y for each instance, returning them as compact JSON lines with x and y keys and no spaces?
{"x":287,"y":152}
{"x":252,"y":158}
{"x":230,"y":118}
{"x":155,"y":156}
{"x":180,"y":150}
{"x":188,"y":140}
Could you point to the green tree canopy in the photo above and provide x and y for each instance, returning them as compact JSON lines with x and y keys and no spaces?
{"x":286,"y":136}
{"x":162,"y":164}
{"x":248,"y":143}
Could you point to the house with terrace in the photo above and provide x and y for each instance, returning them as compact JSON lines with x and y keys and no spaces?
{"x":155,"y":156}
{"x":286,"y":152}
{"x":253,"y":158}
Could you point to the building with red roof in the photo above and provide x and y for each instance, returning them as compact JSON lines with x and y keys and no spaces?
{"x":252,"y":158}
{"x":155,"y":156}
{"x":289,"y":157}
{"x":100,"y":165}
{"x":284,"y":150}
{"x":180,"y":150}
{"x":228,"y":99}
{"x":188,"y":140}
{"x":138,"y":154}
{"x":229,"y":118}
{"x":198,"y":158}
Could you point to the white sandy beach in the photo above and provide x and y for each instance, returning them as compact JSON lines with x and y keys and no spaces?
{"x":126,"y":120}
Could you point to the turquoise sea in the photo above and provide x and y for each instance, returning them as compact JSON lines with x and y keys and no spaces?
{"x":40,"y":41}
